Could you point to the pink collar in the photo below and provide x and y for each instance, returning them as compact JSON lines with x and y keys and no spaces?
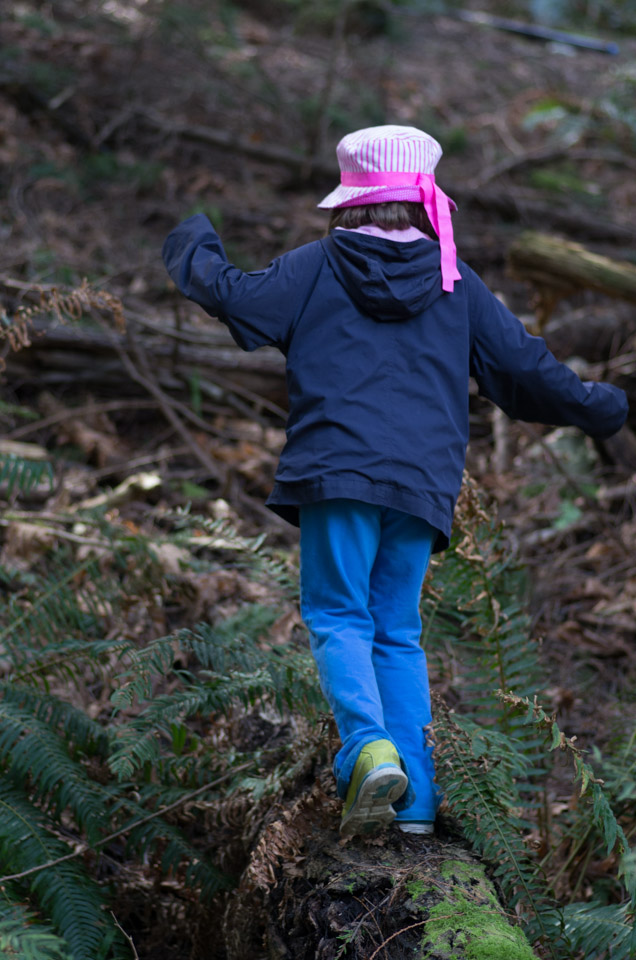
{"x":401,"y":236}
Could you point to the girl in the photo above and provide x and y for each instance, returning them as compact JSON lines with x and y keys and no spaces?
{"x":382,"y":327}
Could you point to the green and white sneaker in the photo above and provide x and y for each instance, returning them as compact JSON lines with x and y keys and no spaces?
{"x":377,"y":782}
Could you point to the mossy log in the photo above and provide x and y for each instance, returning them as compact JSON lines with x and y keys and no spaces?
{"x":308,"y":895}
{"x":557,"y":267}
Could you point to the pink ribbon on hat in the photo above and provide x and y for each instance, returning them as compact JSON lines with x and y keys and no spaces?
{"x":435,"y":202}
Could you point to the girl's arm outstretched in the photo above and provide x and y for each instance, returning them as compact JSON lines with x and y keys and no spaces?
{"x":517,"y":372}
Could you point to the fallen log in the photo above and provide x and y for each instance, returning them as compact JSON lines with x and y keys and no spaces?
{"x":308,"y":895}
{"x":536,"y":31}
{"x":61,"y":353}
{"x":558,"y":267}
{"x":563,"y":263}
{"x":307,"y":168}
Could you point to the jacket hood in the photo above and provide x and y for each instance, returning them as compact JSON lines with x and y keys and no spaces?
{"x":389,"y":280}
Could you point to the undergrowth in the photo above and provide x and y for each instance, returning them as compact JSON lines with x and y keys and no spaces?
{"x":106,"y":735}
{"x":496,"y":754}
{"x":110,"y":729}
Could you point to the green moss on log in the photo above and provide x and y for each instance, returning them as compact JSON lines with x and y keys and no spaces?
{"x":468,"y":923}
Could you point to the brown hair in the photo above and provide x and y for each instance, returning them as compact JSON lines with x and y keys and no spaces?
{"x":395,"y":215}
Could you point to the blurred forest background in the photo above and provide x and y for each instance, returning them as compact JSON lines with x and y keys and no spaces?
{"x":163,"y":745}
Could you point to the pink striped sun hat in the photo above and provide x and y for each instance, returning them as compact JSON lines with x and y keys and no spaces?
{"x":380,"y":164}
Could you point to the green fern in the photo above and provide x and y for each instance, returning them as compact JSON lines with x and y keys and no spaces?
{"x":475,"y":615}
{"x":601,"y":932}
{"x":233,"y":668}
{"x":155,"y":836}
{"x":81,"y":733}
{"x":494,"y":755}
{"x":478,"y":770}
{"x":31,"y":752}
{"x":597,"y":810}
{"x":57,"y":629}
{"x":55,"y":610}
{"x":24,"y":937}
{"x":65,"y":891}
{"x":23,"y":474}
{"x":248,"y":553}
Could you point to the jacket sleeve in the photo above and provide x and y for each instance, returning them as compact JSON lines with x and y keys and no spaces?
{"x":258,"y":307}
{"x":517,"y":372}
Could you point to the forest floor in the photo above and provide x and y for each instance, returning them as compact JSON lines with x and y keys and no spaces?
{"x":119,"y":119}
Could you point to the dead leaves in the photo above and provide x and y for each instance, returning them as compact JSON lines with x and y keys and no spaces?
{"x":24,"y":543}
{"x":280,"y":848}
{"x":94,"y":434}
{"x":63,"y":305}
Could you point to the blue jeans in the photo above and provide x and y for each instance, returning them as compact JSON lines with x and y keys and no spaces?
{"x":361,"y":573}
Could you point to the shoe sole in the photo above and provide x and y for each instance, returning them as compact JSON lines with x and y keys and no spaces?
{"x":416,"y":829}
{"x":371,"y":810}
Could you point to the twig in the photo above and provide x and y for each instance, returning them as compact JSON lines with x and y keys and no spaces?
{"x":538,"y":32}
{"x":108,"y":129}
{"x":140,"y":462}
{"x":168,"y":408}
{"x":336,"y":48}
{"x":352,"y":934}
{"x":185,"y":336}
{"x":8,"y":519}
{"x":412,"y":926}
{"x":620,"y":491}
{"x":237,"y":144}
{"x":147,"y":380}
{"x":131,"y":826}
{"x":126,"y":935}
{"x":231,"y":394}
{"x":230,"y":389}
{"x":549,"y":155}
{"x":71,"y":413}
{"x":532,"y":157}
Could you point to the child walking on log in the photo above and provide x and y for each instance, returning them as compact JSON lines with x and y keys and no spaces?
{"x":382,"y":327}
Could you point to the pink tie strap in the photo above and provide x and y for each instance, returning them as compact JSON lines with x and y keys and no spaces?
{"x":435,"y":202}
{"x":390,"y":178}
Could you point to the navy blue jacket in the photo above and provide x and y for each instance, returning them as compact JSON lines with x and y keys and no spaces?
{"x":378,"y":365}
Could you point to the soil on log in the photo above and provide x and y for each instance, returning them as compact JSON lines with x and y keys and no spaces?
{"x":307,"y":894}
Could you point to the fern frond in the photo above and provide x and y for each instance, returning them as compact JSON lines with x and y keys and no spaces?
{"x":23,"y":474}
{"x":81,"y":732}
{"x":250,"y":553}
{"x":599,"y":809}
{"x":147,"y":833}
{"x":31,"y":752}
{"x":139,"y":742}
{"x":601,"y":932}
{"x":61,"y":305}
{"x":70,"y":660}
{"x":64,"y":892}
{"x":24,"y":937}
{"x":237,"y":670}
{"x":473,"y":612}
{"x":69,"y":602}
{"x":477,"y":769}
